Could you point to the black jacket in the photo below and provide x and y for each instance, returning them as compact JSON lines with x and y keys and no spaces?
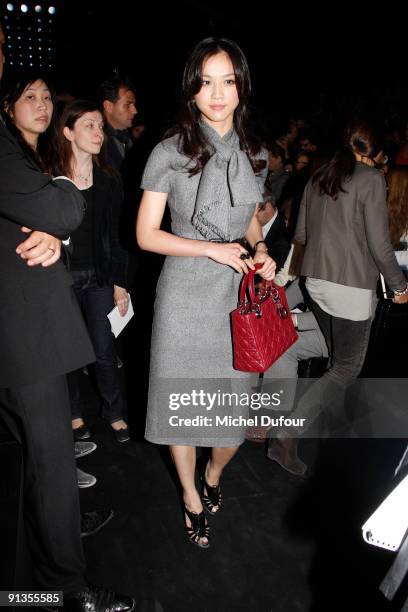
{"x":277,"y":242}
{"x":118,"y":143}
{"x":42,"y":332}
{"x":110,"y":258}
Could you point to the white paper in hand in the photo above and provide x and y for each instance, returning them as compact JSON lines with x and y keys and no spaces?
{"x":117,"y":322}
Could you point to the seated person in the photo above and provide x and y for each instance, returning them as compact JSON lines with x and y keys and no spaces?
{"x":274,"y":230}
{"x":310,"y":344}
{"x":277,"y":173}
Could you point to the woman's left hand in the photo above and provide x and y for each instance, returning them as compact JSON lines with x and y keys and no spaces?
{"x":121,"y":299}
{"x":269,"y":266}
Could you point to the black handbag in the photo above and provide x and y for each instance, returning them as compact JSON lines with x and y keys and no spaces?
{"x":386,"y":350}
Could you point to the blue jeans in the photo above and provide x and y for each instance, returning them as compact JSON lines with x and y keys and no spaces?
{"x":96,"y":302}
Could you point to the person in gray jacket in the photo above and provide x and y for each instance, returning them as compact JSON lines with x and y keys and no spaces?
{"x":343,"y":223}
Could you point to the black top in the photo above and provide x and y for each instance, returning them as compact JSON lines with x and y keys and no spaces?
{"x":82,"y":257}
{"x":277,"y":241}
{"x":97,"y":242}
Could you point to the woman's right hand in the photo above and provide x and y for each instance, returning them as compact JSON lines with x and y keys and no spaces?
{"x":229,"y":254}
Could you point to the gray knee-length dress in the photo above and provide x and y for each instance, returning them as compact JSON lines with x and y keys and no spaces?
{"x":191,"y":337}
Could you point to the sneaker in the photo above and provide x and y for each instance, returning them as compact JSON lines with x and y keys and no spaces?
{"x":83,"y":448}
{"x":85,"y":480}
{"x":92,"y":522}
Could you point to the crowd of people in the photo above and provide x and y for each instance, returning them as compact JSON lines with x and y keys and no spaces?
{"x":235,"y":201}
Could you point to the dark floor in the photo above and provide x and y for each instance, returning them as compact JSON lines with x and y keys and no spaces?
{"x":279,"y":544}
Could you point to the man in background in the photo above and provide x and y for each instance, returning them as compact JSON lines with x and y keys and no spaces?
{"x":117,"y":97}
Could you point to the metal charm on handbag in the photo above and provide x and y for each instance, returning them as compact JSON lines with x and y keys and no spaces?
{"x":262,"y":328}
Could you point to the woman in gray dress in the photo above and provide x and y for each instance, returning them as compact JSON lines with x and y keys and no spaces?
{"x":210,"y":171}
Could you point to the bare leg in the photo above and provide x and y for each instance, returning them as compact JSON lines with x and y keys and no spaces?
{"x":184,"y":458}
{"x":219,"y":459}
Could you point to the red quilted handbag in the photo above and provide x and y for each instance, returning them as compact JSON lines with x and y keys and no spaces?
{"x":262,"y":328}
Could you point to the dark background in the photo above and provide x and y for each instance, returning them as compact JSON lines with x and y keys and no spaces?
{"x":304,"y":59}
{"x":282,"y":543}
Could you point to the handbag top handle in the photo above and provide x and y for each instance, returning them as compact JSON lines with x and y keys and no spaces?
{"x":268,"y":289}
{"x":248,"y":282}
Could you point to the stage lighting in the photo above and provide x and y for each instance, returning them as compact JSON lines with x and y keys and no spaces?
{"x":30,"y":32}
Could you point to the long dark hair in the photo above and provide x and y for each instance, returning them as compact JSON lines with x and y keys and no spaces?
{"x":192,"y":141}
{"x":359,"y":137}
{"x":68,"y":118}
{"x":397,"y":179}
{"x":45,"y":151}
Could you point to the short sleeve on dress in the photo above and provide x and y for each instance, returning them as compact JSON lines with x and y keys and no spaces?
{"x":160,"y":168}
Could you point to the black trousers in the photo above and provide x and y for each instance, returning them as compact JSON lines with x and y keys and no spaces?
{"x":347,"y":342}
{"x":39,"y":417}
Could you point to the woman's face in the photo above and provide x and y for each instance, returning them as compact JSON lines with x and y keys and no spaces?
{"x":87,"y":134}
{"x":301,"y":162}
{"x":218,"y":96}
{"x":33,"y":111}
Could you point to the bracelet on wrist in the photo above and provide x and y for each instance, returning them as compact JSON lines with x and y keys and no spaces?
{"x":402,"y":292}
{"x":260,"y":242}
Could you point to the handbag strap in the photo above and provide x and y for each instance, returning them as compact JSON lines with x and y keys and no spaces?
{"x":248,"y":283}
{"x":268,"y":288}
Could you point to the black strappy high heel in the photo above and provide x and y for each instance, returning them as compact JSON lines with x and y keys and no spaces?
{"x":199,"y":528}
{"x":210,"y":496}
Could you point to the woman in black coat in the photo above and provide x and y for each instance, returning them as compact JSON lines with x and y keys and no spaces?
{"x":38,"y":346}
